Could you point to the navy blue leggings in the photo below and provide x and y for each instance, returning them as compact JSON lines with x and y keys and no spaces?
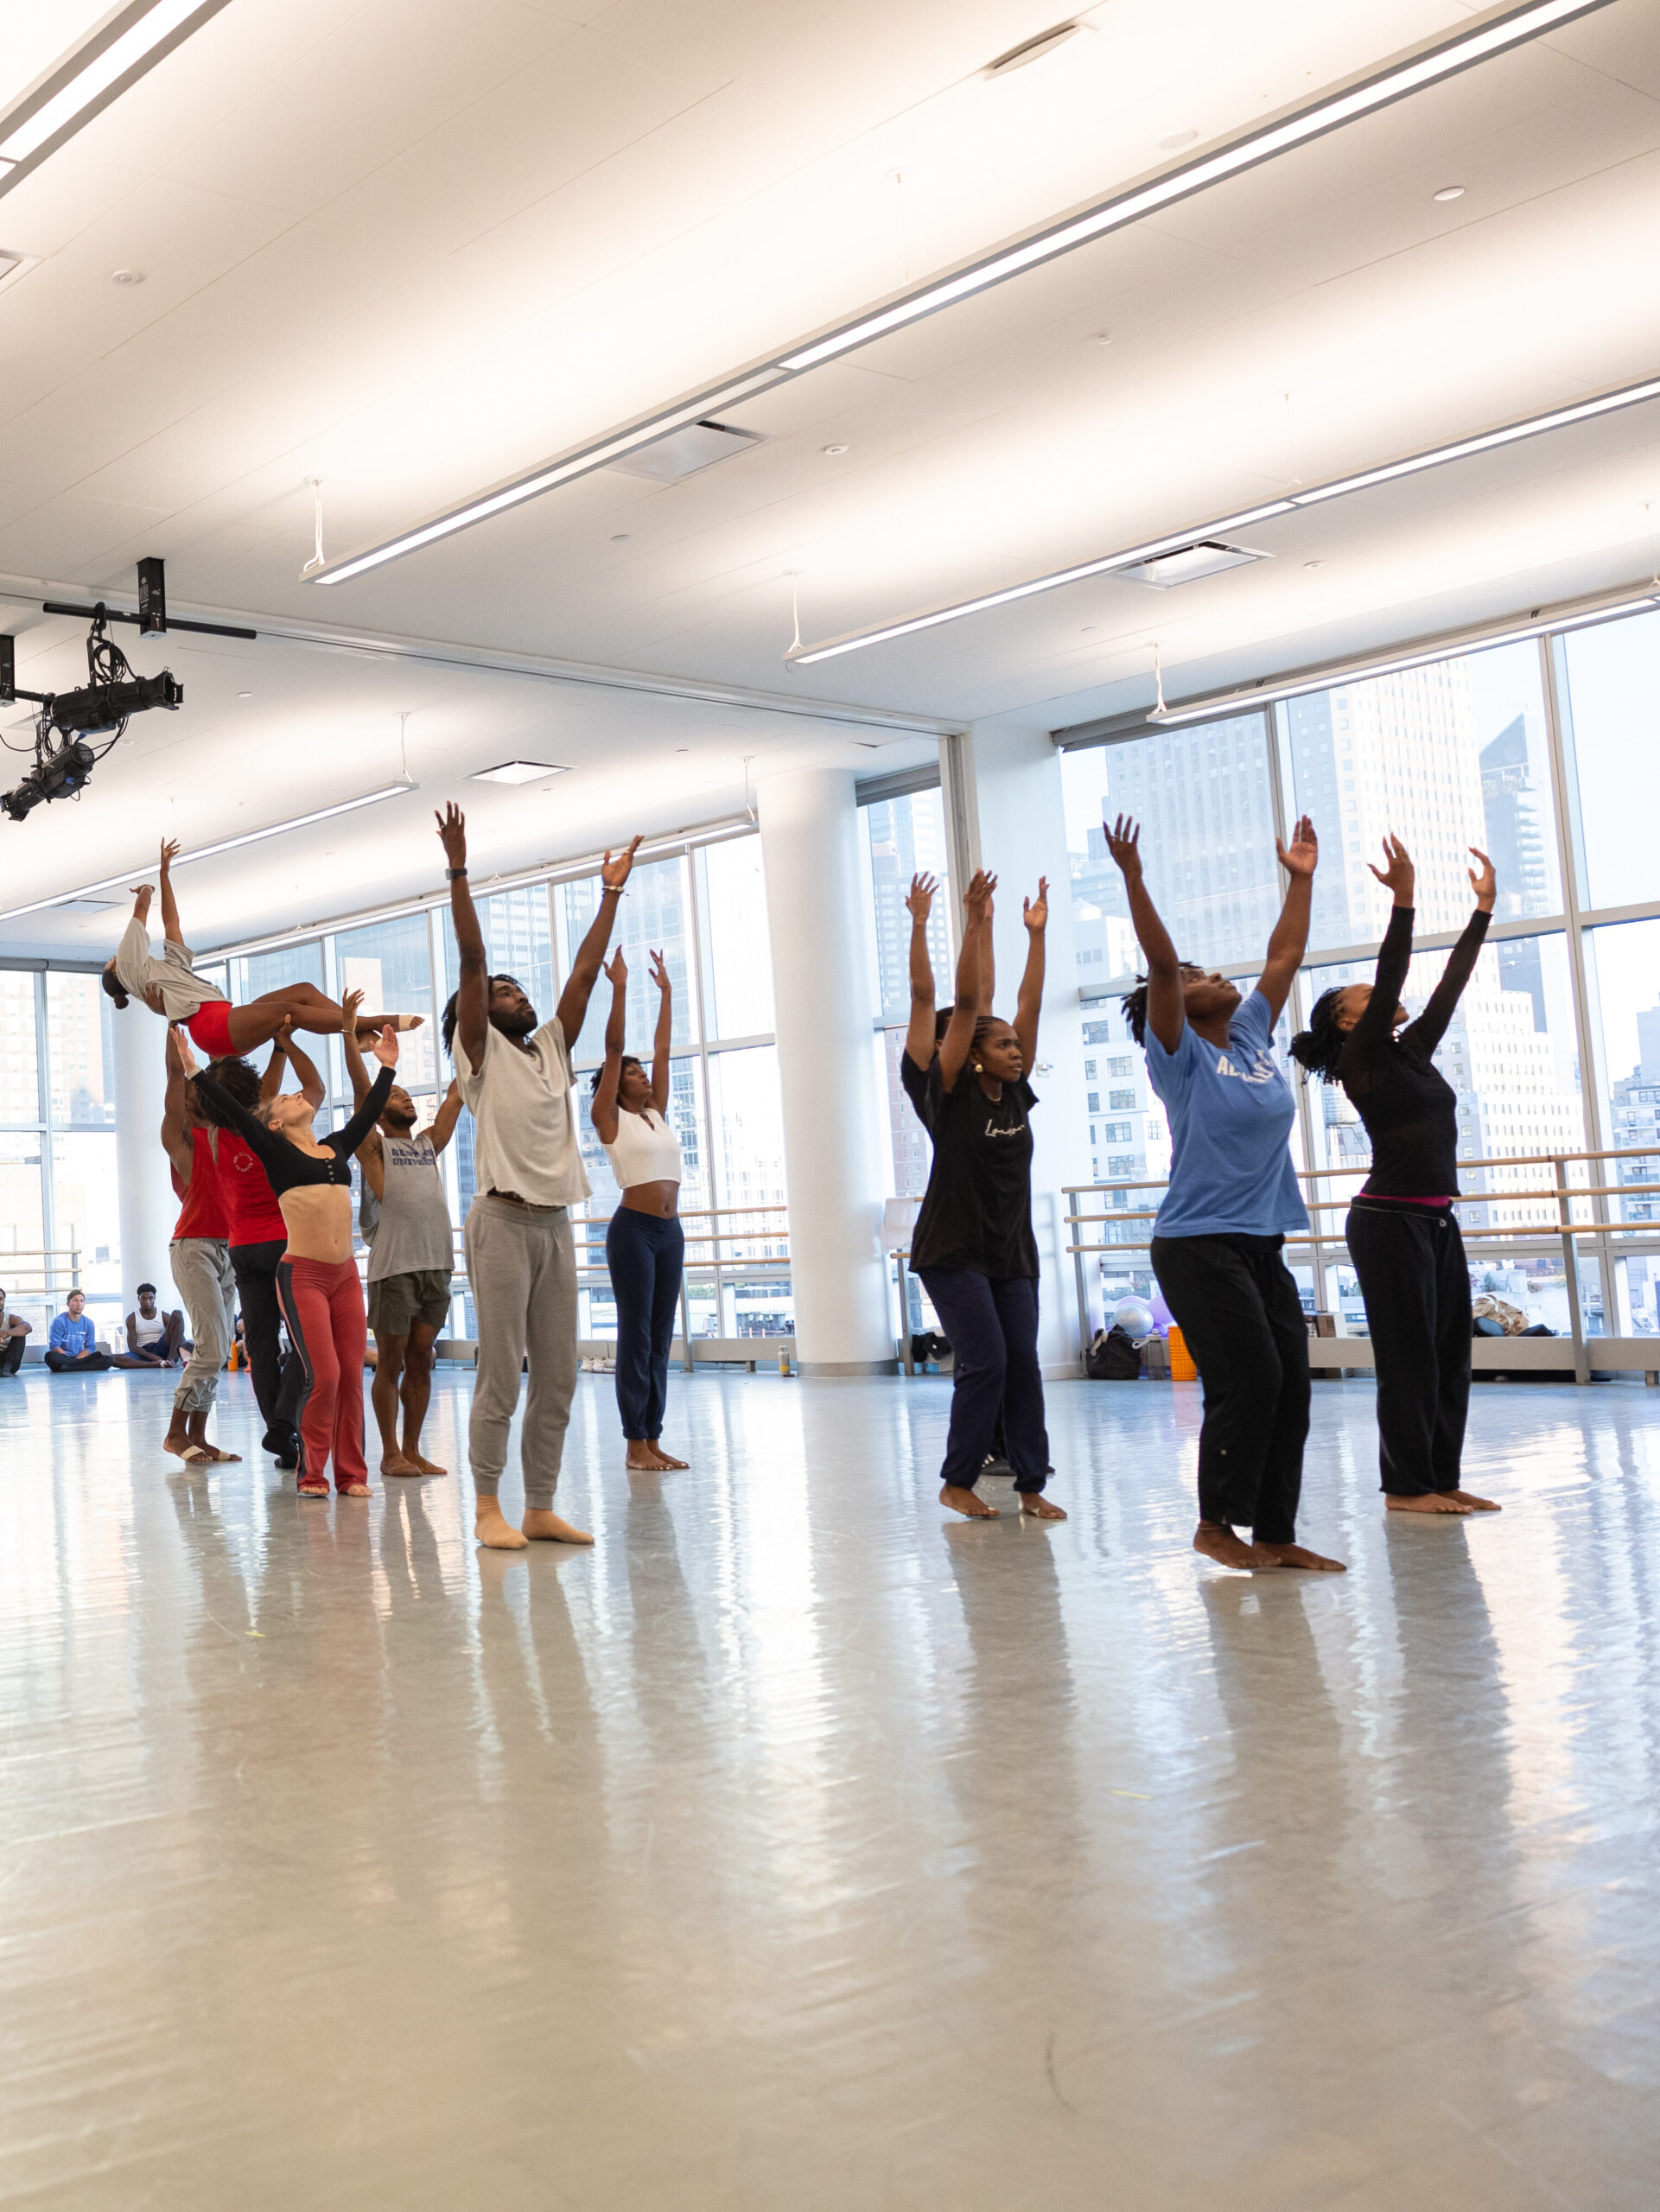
{"x":645,"y":1252}
{"x":991,"y":1326}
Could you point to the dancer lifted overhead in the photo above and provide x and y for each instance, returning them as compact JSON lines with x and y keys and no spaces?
{"x":1401,"y":1232}
{"x":323,"y":1299}
{"x":1233,"y":1196}
{"x":645,"y":1244}
{"x":411,"y":1258}
{"x":973,"y":1246}
{"x":200,"y":1257}
{"x":171,"y":987}
{"x":521,"y":1269}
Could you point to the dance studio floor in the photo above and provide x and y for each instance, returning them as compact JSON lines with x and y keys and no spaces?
{"x":799,"y":1849}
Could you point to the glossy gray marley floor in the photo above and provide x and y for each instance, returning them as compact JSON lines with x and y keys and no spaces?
{"x":799,"y":1848}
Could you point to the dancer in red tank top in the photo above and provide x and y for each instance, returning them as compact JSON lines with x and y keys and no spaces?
{"x":200,"y":1259}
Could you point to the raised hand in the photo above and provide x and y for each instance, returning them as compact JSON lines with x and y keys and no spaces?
{"x":1124,"y":843}
{"x":452,"y":834}
{"x":613,"y":874}
{"x":660,"y":975}
{"x":616,"y":969}
{"x":178,"y":1037}
{"x":1034,"y":912}
{"x":1301,"y":855}
{"x":1397,"y":873}
{"x":385,"y":1048}
{"x":977,"y":900}
{"x":1484,"y":881}
{"x":351,"y":1007}
{"x":169,"y":853}
{"x":920,"y":899}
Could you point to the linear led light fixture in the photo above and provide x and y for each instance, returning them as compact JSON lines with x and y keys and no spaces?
{"x":1129,"y":557}
{"x":1220,"y":705}
{"x":1498,"y":34}
{"x":114,"y":54}
{"x":224,"y":845}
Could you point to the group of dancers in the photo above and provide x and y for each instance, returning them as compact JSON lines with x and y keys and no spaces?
{"x":267,"y":1208}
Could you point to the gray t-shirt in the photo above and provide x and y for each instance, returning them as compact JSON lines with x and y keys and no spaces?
{"x":413,"y":1233}
{"x":183,"y":992}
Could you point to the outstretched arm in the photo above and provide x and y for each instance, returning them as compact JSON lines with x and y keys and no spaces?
{"x":973,"y":996}
{"x":664,"y":1037}
{"x":1371,"y":1035}
{"x":919,"y":1029}
{"x":1290,"y":938}
{"x":1034,"y":912}
{"x":373,"y":1156}
{"x":603,"y":1111}
{"x":312,"y":1085}
{"x":170,"y":929}
{"x":444,"y":1121}
{"x":590,"y":954}
{"x":175,"y":1135}
{"x":1167,"y":1014}
{"x":344,"y":1142}
{"x":1430,"y":1027}
{"x":472,"y":993}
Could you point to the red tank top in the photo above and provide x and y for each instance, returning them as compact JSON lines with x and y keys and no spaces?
{"x":204,"y":1213}
{"x":249,"y":1201}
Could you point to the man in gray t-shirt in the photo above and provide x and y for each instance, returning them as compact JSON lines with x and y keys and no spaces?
{"x":412,"y":1253}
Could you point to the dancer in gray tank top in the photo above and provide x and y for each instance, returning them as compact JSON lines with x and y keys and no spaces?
{"x":411,"y":1255}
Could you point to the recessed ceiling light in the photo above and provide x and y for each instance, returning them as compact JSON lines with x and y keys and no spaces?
{"x":1451,"y":192}
{"x":620,"y":537}
{"x":1176,"y":140}
{"x":834,"y":450}
{"x":1032,"y":49}
{"x":126,"y":275}
{"x":1314,"y":564}
{"x":517,"y":772}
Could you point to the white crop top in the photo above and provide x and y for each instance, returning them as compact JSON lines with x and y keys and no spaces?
{"x":647,"y":1150}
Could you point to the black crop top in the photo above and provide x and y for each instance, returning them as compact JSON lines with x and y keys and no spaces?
{"x":286,"y":1167}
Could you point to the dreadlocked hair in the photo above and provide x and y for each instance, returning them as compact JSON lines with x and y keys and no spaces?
{"x":1133,"y":1007}
{"x":1318,"y":1048}
{"x":451,"y":1015}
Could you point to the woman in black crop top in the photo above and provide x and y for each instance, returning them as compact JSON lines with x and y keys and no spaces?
{"x":1401,"y":1232}
{"x":317,"y":1276}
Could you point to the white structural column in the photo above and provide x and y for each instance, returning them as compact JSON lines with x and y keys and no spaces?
{"x":835,"y":1157}
{"x":1008,"y":791}
{"x":148,"y":1208}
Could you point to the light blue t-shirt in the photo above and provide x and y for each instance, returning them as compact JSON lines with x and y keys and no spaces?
{"x":73,"y":1334}
{"x":1230,"y":1113}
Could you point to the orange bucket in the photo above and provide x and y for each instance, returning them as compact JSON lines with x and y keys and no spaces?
{"x":1182,"y":1369}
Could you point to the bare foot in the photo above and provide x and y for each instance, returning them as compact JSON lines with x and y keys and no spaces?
{"x":356,"y":1489}
{"x":177,"y":1441}
{"x":642,"y":1460}
{"x":1036,"y":1506}
{"x":548,"y":1528}
{"x":1433,"y":1501}
{"x":1212,"y":1540}
{"x":1299,"y":1555}
{"x":967,"y":1502}
{"x":423,"y":1466}
{"x":394,"y":1462}
{"x":1476,"y":1504}
{"x":493,"y":1528}
{"x":317,"y":1488}
{"x":666,"y":1460}
{"x":222,"y":1458}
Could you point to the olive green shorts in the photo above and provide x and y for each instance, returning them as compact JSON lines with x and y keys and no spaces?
{"x":397,"y":1302}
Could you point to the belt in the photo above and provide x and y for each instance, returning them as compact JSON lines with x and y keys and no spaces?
{"x":524,"y":1205}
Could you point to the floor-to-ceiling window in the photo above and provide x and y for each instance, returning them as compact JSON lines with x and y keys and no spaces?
{"x":1540,"y":752}
{"x":58,"y":1194}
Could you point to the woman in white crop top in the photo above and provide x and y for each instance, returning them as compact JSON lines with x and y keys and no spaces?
{"x":645,"y":1244}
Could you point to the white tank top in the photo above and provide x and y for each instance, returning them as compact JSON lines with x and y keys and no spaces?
{"x":647,"y":1150}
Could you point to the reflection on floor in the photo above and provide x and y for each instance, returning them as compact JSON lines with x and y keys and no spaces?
{"x":799,"y":1848}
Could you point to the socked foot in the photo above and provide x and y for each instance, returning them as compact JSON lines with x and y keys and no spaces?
{"x":967,"y":1502}
{"x":1300,"y":1555}
{"x":1467,"y":1498}
{"x":546,"y":1527}
{"x":1433,"y":1501}
{"x":1213,"y":1540}
{"x":494,"y":1529}
{"x":1036,"y":1506}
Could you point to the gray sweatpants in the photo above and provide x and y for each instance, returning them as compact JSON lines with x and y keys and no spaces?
{"x":521,"y":1270}
{"x":201,"y":1269}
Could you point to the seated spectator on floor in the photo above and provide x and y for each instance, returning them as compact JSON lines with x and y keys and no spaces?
{"x":72,"y":1341}
{"x":154,"y":1339}
{"x":14,"y":1334}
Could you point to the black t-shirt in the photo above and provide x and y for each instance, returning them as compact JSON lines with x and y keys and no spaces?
{"x":914,"y":1081}
{"x":1408,"y":1108}
{"x":978,"y":1212}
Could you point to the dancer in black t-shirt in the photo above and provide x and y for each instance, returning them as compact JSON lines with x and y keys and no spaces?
{"x":973,"y":1246}
{"x":1401,"y":1232}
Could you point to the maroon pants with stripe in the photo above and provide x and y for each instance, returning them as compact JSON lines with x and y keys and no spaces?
{"x":322,"y":1304}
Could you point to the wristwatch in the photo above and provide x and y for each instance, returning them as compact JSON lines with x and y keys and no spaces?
{"x":450,"y":873}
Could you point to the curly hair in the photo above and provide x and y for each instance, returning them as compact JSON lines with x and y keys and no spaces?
{"x":628,"y":1060}
{"x":1318,"y":1049}
{"x":239,"y":1079}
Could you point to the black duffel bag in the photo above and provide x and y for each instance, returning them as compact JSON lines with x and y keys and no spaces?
{"x":1112,"y":1358}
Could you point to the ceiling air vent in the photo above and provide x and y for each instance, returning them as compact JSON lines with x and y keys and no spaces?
{"x":1185,"y":564}
{"x":683,"y":453}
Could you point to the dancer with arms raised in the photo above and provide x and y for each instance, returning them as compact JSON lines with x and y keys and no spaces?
{"x":1401,"y":1232}
{"x":1233,"y":1197}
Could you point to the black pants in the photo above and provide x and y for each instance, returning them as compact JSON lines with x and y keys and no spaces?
{"x":646,"y":1253}
{"x":11,"y":1354}
{"x":991,"y":1324}
{"x":279,"y":1381}
{"x":1239,"y":1310}
{"x":95,"y":1364}
{"x":1409,"y":1261}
